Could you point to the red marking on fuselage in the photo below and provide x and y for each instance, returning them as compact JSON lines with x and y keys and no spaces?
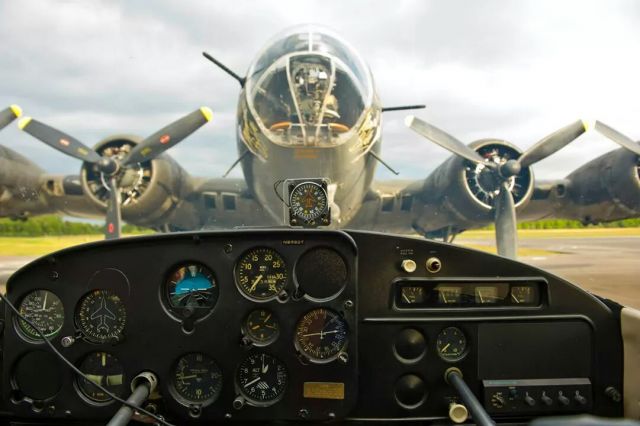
{"x":165,"y":139}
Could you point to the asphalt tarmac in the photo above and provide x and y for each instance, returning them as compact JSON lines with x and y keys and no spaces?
{"x":607,"y":266}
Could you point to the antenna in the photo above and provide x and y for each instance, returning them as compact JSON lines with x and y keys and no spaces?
{"x":224,"y":68}
{"x":403,"y":107}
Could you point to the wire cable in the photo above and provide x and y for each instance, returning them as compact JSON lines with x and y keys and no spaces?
{"x":77,"y":370}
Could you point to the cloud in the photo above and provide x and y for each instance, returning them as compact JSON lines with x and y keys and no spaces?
{"x":509,"y":70}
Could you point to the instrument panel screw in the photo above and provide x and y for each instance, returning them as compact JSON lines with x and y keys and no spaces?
{"x":228,"y":248}
{"x":348,"y":304}
{"x":343,"y":357}
{"x":227,"y":416}
{"x":67,"y":341}
{"x":54,"y":275}
{"x":303,"y":413}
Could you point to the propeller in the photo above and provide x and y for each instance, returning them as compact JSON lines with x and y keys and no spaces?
{"x":9,"y":114}
{"x":110,"y":166}
{"x":501,"y":172}
{"x":618,"y":137}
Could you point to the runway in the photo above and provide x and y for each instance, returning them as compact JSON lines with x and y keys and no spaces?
{"x":607,"y":266}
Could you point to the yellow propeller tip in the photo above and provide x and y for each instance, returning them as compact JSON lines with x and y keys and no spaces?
{"x":24,"y":123}
{"x":17,"y":111}
{"x":208,"y":114}
{"x":408,"y":121}
{"x":588,"y":125}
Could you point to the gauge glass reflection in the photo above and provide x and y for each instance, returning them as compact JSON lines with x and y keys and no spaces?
{"x":44,"y":310}
{"x":104,"y":369}
{"x":101,"y":316}
{"x":191,"y":291}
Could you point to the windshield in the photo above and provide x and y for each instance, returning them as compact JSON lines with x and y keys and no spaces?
{"x":126,"y":112}
{"x":308,"y":88}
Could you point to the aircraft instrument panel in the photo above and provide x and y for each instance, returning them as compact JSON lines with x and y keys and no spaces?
{"x":304,"y":325}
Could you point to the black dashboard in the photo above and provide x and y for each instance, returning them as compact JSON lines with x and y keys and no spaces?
{"x":303,"y":325}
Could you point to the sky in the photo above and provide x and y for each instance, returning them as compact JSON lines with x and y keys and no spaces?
{"x":512,"y":70}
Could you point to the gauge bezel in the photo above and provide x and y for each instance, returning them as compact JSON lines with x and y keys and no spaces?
{"x":462,"y":355}
{"x":86,"y":398}
{"x":300,"y":287}
{"x":177,"y":313}
{"x":251,"y":338}
{"x":80,"y":329}
{"x":36,"y":339}
{"x":311,"y":358}
{"x":252,"y":401}
{"x":185,"y":401}
{"x":236,"y":275}
{"x":320,"y":213}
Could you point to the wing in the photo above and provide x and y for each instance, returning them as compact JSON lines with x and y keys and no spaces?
{"x":219,"y":203}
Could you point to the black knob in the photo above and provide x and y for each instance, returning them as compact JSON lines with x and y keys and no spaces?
{"x":529,"y":401}
{"x":545,"y":399}
{"x":580,"y":399}
{"x":563,"y":399}
{"x":410,"y":391}
{"x":410,"y":345}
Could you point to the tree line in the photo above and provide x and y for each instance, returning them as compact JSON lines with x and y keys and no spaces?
{"x":56,"y":225}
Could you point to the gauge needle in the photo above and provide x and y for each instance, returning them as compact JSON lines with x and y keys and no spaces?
{"x":255,"y":283}
{"x":193,"y":376}
{"x":265,"y":368}
{"x":322,"y":333}
{"x":445,"y":347}
{"x":481,"y":298}
{"x":513,"y":296}
{"x":266,"y":319}
{"x":257,"y":379}
{"x":44,"y":303}
{"x":404,"y":296}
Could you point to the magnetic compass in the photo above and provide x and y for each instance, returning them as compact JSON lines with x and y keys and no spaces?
{"x":308,"y":203}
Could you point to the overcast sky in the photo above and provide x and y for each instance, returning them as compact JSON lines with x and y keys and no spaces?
{"x":515,"y":70}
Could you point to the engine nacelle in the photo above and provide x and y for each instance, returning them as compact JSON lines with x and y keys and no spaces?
{"x":149,"y":190}
{"x":462,"y":192}
{"x":605,"y":189}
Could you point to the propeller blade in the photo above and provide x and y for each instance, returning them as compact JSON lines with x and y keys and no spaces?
{"x":552,"y":143}
{"x":9,"y":114}
{"x":505,"y":221}
{"x":113,"y":226}
{"x":168,"y":136}
{"x":618,"y":137}
{"x":443,"y":139}
{"x":58,"y":140}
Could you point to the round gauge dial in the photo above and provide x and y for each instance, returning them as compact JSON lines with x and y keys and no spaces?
{"x":101,"y":316}
{"x":451,"y":344}
{"x":261,"y":327}
{"x":104,"y":369}
{"x":197,"y":379}
{"x":261,"y":274}
{"x":321,"y":335}
{"x":308,"y":201}
{"x":44,"y":309}
{"x":262,"y":379}
{"x":191,"y":291}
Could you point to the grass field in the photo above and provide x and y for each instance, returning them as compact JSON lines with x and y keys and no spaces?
{"x":37,"y":246}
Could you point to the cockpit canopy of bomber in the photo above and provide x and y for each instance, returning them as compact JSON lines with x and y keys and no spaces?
{"x":308,"y":87}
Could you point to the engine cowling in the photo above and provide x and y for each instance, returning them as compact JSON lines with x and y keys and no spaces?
{"x":150,"y":190}
{"x":463,"y":193}
{"x":605,"y":189}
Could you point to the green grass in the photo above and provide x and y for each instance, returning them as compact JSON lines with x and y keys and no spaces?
{"x":38,"y":246}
